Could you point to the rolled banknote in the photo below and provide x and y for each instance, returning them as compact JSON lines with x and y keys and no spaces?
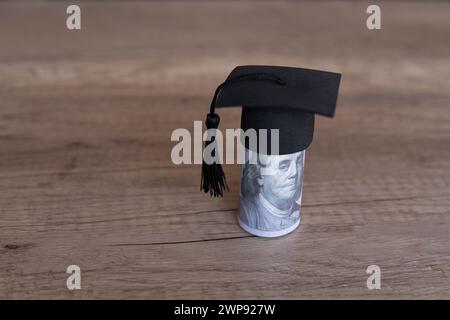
{"x":271,"y":193}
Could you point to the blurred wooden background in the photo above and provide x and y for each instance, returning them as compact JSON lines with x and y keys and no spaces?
{"x":86,"y":176}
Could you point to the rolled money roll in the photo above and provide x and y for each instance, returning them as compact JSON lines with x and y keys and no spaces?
{"x":271,"y":193}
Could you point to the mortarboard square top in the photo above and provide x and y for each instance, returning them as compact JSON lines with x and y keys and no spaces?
{"x":281,"y":87}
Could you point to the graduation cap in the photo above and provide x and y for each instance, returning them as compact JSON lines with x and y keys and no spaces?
{"x":272,"y":97}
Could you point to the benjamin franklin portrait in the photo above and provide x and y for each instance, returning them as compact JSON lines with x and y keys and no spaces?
{"x":271,"y":190}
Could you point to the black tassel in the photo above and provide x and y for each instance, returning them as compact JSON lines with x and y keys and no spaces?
{"x":213,"y":177}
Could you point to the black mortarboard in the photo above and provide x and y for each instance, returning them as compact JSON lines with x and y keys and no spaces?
{"x":272,"y":97}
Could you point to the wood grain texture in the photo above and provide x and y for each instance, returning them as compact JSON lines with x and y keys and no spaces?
{"x":86,"y":176}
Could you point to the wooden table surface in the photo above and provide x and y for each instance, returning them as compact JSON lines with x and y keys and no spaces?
{"x":86,"y":176}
